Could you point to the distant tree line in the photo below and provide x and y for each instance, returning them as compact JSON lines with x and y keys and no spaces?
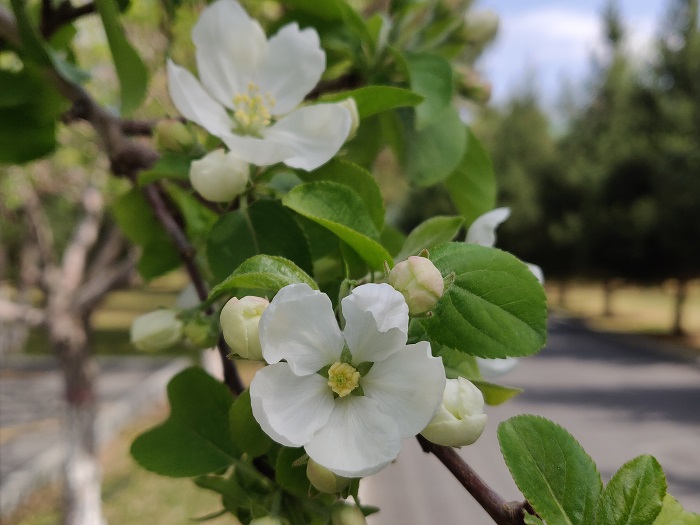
{"x":616,"y":195}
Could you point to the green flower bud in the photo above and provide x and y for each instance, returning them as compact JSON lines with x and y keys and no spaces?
{"x":347,"y":515}
{"x":239,"y":322}
{"x":219,"y":176}
{"x":172,"y":135}
{"x":199,"y":333}
{"x":419,"y":281}
{"x":323,"y":479}
{"x":156,"y":330}
{"x":460,"y":419}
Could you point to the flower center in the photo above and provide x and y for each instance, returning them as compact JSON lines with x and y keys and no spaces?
{"x":343,"y":378}
{"x":252,"y":112}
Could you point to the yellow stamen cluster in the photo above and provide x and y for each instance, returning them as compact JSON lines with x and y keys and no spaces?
{"x":343,"y":378}
{"x":252,"y":111}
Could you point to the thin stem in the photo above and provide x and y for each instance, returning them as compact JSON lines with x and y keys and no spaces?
{"x":501,"y":511}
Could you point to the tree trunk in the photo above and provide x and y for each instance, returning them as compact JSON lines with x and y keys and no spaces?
{"x":681,"y":296}
{"x":82,"y":470}
{"x":608,"y":289}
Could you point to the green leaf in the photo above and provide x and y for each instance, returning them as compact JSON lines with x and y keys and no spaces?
{"x":131,"y":71}
{"x":634,"y":495}
{"x":195,"y":439}
{"x":340,"y":210}
{"x":673,"y":514}
{"x":265,"y":227}
{"x":496,"y":394}
{"x":431,"y":77}
{"x":551,"y":469}
{"x":375,"y":99}
{"x":494,"y":308}
{"x":434,"y":152}
{"x":29,"y":110}
{"x":357,"y":179}
{"x":472,"y":186}
{"x":198,"y":218}
{"x":290,"y":474}
{"x":392,"y":239}
{"x":434,"y":231}
{"x":265,"y":272}
{"x":135,"y":218}
{"x":328,"y":10}
{"x":169,"y":166}
{"x":532,"y":520}
{"x":245,"y":430}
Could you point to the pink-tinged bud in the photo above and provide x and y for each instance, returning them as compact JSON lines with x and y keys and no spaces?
{"x":324,"y":480}
{"x":156,"y":330}
{"x":460,"y":419}
{"x":219,"y":176}
{"x":172,"y":135}
{"x":348,"y":515}
{"x":419,"y":281}
{"x":239,"y":322}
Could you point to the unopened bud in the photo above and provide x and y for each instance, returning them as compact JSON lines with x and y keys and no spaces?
{"x":460,"y":419}
{"x":156,"y":330}
{"x":419,"y":281}
{"x":219,"y":176}
{"x":171,"y":135}
{"x":481,"y":26}
{"x":347,"y":515}
{"x":199,"y":332}
{"x":323,"y":479}
{"x":239,"y":322}
{"x":350,"y":104}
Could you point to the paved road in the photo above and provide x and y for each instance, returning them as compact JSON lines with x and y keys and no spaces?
{"x":619,"y":396}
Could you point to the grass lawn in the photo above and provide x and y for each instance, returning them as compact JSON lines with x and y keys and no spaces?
{"x":644,"y":311}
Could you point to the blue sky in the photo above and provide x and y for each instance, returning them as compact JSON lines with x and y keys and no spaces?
{"x":557,"y":39}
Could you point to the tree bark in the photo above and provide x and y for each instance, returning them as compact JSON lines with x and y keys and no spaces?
{"x":681,"y":296}
{"x":82,"y":499}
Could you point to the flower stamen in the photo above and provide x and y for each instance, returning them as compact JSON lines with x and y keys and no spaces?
{"x":343,"y":378}
{"x":252,"y":110}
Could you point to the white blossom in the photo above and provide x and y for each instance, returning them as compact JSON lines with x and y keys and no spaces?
{"x":348,"y":397}
{"x":249,"y":90}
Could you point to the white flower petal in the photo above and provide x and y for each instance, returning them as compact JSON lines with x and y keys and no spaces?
{"x":358,"y":439}
{"x":408,"y":386}
{"x":261,"y":152}
{"x":483,"y":229}
{"x":293,"y":66}
{"x":314,"y":133}
{"x":376,"y":322}
{"x":230,"y":46}
{"x":195,"y":103}
{"x":299,"y":326}
{"x":491,"y":368}
{"x":536,"y":271}
{"x":290,"y":408}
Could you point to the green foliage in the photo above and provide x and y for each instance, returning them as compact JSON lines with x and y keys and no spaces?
{"x":634,"y":495}
{"x":480,"y":313}
{"x":472,"y":186}
{"x":430,"y":77}
{"x":195,"y":439}
{"x":264,"y":272}
{"x":551,"y":469}
{"x":246,"y":433}
{"x":340,"y":210}
{"x":376,"y":99}
{"x":434,"y":231}
{"x":132,"y":72}
{"x":673,"y":514}
{"x":265,"y":227}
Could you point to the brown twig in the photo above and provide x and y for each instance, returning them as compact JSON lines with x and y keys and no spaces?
{"x":53,"y":18}
{"x":502,"y":512}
